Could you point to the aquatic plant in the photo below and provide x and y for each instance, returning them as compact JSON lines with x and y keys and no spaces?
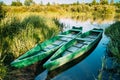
{"x":3,"y":69}
{"x":17,"y":36}
{"x":114,"y":46}
{"x":63,"y":10}
{"x":100,"y":75}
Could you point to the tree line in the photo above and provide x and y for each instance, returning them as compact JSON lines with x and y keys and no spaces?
{"x":31,"y":2}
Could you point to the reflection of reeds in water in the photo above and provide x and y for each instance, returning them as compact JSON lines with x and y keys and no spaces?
{"x":55,"y":72}
{"x":102,"y":67}
{"x":79,"y":12}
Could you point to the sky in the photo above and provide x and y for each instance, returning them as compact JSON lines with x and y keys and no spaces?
{"x":54,"y":1}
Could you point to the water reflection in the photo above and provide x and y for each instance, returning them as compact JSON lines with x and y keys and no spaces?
{"x":53,"y":73}
{"x":95,"y":17}
{"x":87,"y":25}
{"x":86,"y":68}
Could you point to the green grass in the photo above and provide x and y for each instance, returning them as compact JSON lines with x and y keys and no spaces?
{"x":114,"y":45}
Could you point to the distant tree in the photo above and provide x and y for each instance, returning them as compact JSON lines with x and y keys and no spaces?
{"x":76,"y":3}
{"x":94,"y":2}
{"x":16,"y":3}
{"x":28,"y":2}
{"x":103,"y":2}
{"x":112,"y":2}
{"x":83,"y":1}
{"x":117,"y":4}
{"x":33,"y":3}
{"x":54,"y":3}
{"x":2,"y":3}
{"x":48,"y":4}
{"x":41,"y":3}
{"x":2,"y":12}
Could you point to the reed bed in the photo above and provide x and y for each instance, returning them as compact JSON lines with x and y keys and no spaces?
{"x":114,"y":46}
{"x":63,"y":11}
{"x":19,"y":35}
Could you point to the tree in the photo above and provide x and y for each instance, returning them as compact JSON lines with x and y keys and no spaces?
{"x":103,"y":2}
{"x":83,"y":1}
{"x":16,"y":3}
{"x":41,"y":3}
{"x":94,"y":2}
{"x":2,"y":3}
{"x":48,"y":4}
{"x":112,"y":2}
{"x":76,"y":3}
{"x":28,"y":2}
{"x":2,"y":12}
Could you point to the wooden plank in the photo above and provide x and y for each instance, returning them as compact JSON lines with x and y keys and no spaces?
{"x":79,"y":45}
{"x":65,"y":39}
{"x":58,"y":42}
{"x":50,"y":46}
{"x":46,"y":49}
{"x":42,"y":51}
{"x":73,"y":48}
{"x":66,"y":52}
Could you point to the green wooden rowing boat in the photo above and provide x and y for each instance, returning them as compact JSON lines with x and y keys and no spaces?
{"x":45,"y":49}
{"x":74,"y":49}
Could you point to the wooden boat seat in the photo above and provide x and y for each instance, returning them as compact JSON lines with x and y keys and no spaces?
{"x":83,"y":39}
{"x":46,"y":49}
{"x":65,"y":53}
{"x":58,"y":42}
{"x":66,"y":36}
{"x":66,"y":39}
{"x":92,"y":37}
{"x":72,"y":49}
{"x":42,"y":51}
{"x":50,"y":46}
{"x":86,"y":43}
{"x":79,"y":45}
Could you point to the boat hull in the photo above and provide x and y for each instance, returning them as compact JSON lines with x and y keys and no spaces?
{"x":56,"y":60}
{"x":45,"y":49}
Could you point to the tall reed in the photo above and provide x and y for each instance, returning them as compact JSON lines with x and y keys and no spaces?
{"x":114,"y":46}
{"x":18,"y":36}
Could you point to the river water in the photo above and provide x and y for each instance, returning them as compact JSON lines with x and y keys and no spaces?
{"x":86,"y":69}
